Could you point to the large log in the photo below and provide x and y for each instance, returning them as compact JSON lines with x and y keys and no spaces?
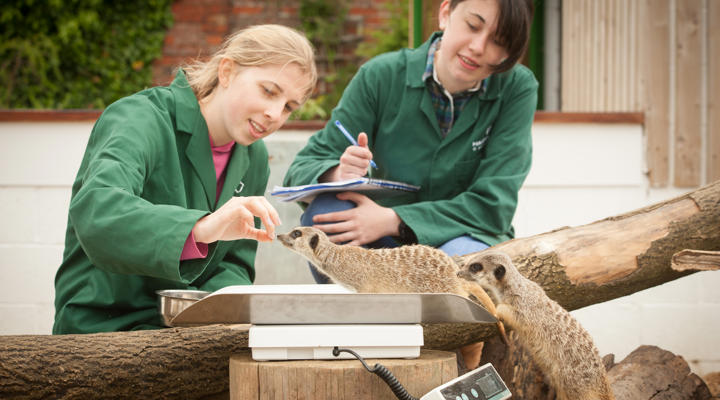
{"x":577,"y":266}
{"x":620,"y":255}
{"x":167,"y":363}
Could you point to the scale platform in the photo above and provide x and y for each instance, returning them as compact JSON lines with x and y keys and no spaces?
{"x":317,"y":304}
{"x":305,"y":322}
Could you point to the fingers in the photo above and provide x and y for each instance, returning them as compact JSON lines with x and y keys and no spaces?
{"x":259,"y":235}
{"x":270,"y":217}
{"x":341,"y":232}
{"x":235,"y":219}
{"x":355,"y":160}
{"x":336,"y":216}
{"x":260,"y":207}
{"x":362,"y":139}
{"x":335,"y":228}
{"x":355,"y":197}
{"x":349,"y":226}
{"x":360,"y":200}
{"x":351,"y":167}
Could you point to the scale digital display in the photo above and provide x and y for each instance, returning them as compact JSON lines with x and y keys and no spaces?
{"x":484,"y":384}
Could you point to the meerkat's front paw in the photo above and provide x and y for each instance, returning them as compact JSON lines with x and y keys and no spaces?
{"x":471,"y":354}
{"x":503,"y":334}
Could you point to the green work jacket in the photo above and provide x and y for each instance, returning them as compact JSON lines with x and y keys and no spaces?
{"x":469,"y":180}
{"x":146,"y":177}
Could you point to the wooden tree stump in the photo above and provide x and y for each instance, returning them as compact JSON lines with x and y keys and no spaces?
{"x":336,"y":379}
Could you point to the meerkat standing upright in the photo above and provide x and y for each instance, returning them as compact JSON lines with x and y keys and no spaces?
{"x":559,"y":345}
{"x":406,"y":269}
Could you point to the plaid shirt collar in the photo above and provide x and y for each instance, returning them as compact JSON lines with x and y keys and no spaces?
{"x":447,"y":107}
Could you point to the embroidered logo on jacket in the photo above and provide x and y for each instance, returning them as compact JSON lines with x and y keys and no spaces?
{"x":239,"y":188}
{"x":479,"y":144}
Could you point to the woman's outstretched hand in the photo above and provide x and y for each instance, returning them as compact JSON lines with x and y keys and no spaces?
{"x":234,"y":220}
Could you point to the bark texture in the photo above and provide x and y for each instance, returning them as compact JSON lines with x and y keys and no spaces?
{"x":577,"y":266}
{"x":650,"y":372}
{"x":696,"y":260}
{"x":173,"y":363}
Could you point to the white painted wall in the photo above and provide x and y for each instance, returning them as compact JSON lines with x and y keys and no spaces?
{"x":581,"y":173}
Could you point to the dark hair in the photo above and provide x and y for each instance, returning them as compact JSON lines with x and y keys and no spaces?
{"x":513,"y":29}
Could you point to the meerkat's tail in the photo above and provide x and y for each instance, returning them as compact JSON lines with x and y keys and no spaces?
{"x":485,"y":300}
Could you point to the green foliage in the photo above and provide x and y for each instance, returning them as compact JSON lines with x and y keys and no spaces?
{"x":311,"y":109}
{"x":58,"y":54}
{"x":393,"y":38}
{"x":323,"y":21}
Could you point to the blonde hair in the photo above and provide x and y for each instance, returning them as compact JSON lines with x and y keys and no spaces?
{"x":256,"y":46}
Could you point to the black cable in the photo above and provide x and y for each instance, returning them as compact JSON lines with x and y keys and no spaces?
{"x":380,"y":370}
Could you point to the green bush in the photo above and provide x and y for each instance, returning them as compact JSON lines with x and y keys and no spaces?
{"x":78,"y":54}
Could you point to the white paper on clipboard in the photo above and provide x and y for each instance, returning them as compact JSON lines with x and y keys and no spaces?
{"x":361,"y":185}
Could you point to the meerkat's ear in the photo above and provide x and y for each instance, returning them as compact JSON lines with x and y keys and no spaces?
{"x":499,"y":272}
{"x":314,"y":241}
{"x":459,"y":261}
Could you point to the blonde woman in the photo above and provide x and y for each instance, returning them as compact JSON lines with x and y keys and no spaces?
{"x":169,"y":192}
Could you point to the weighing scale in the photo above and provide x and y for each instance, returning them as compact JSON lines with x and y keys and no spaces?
{"x":306,"y":322}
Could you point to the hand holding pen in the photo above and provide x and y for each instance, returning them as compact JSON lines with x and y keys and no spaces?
{"x":352,"y":140}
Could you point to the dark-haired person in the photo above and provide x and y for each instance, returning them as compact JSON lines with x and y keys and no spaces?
{"x":452,"y":116}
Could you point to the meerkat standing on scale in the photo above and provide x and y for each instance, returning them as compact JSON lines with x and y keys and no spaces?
{"x":563,"y":350}
{"x":406,"y":269}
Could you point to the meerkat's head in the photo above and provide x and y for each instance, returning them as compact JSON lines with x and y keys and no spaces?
{"x":490,"y":269}
{"x":303,"y":240}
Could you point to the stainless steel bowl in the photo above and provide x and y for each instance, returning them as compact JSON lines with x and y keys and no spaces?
{"x":172,"y":302}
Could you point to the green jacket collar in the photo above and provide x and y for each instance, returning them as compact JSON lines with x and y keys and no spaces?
{"x":187,"y":109}
{"x":189,"y":119}
{"x":417,"y":59}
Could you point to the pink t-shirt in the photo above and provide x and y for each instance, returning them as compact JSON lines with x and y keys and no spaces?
{"x":221,"y":157}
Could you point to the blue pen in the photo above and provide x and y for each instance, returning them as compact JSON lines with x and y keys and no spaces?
{"x":351,"y":139}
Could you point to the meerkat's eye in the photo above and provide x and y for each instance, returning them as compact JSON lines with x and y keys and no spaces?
{"x":295,"y":234}
{"x":475,"y":268}
{"x":499,"y":272}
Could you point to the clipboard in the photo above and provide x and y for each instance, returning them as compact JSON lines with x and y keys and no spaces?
{"x":369,"y":186}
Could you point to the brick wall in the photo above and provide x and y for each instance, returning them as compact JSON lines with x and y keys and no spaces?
{"x":201,"y":25}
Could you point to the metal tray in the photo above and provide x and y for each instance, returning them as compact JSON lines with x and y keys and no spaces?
{"x":173,"y":302}
{"x":322,"y":308}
